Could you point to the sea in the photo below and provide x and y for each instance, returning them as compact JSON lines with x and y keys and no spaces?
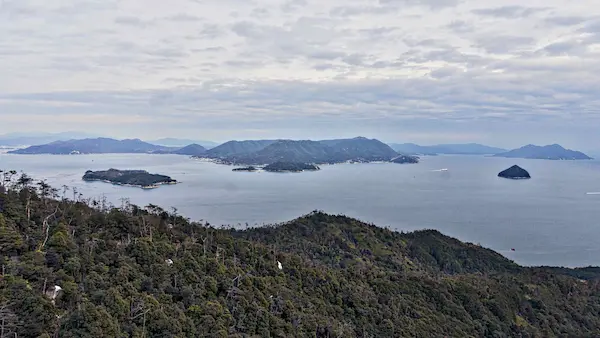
{"x":551,"y":219}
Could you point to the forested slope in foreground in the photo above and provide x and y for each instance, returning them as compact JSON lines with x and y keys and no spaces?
{"x":146,"y":272}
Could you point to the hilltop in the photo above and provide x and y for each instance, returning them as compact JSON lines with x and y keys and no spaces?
{"x":549,"y":152}
{"x":143,"y":271}
{"x":190,"y":150}
{"x":361,"y":148}
{"x":288,"y":151}
{"x":235,"y":148}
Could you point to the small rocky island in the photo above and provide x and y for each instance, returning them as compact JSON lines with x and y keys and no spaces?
{"x":515,"y":172}
{"x":131,"y":178}
{"x":280,"y":167}
{"x":249,"y":169}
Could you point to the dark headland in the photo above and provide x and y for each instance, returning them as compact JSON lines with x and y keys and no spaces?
{"x":515,"y":172}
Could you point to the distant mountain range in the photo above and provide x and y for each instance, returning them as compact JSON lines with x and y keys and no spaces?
{"x":549,"y":152}
{"x":358,"y":149}
{"x":257,"y":152}
{"x":95,"y":146}
{"x":446,"y":149}
{"x":177,"y":142}
{"x":25,"y":139}
{"x":29,"y":139}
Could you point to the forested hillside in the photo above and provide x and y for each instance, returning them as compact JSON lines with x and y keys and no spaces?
{"x":73,"y":267}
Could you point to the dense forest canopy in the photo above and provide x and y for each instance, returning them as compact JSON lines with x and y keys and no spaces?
{"x":76,"y":267}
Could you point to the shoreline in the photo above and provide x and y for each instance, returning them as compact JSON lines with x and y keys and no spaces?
{"x":145,"y":187}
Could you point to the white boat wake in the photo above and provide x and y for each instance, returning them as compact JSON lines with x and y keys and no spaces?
{"x":593,"y":193}
{"x":440,"y":170}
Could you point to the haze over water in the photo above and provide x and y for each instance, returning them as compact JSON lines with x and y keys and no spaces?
{"x":548,"y":220}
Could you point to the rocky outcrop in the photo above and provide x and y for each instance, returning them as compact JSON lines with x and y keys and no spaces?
{"x":515,"y":172}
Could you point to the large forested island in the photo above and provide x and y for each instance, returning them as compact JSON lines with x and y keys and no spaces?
{"x":85,"y":269}
{"x":135,"y":178}
{"x":357,"y":149}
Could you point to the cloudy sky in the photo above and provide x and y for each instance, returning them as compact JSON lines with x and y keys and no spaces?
{"x":427,"y":71}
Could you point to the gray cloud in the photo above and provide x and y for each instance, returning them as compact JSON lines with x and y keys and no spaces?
{"x":211,"y":31}
{"x":426,"y":3}
{"x":460,"y":26}
{"x":566,"y":20}
{"x":349,"y":11}
{"x":291,"y":5}
{"x":395,"y":67}
{"x":131,"y":21}
{"x":183,"y":17}
{"x":503,"y":44}
{"x":510,"y":12}
{"x":564,"y":48}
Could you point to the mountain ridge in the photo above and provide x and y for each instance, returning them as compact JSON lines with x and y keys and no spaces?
{"x":548,"y":152}
{"x":100,"y":145}
{"x":358,"y":149}
{"x":177,"y":142}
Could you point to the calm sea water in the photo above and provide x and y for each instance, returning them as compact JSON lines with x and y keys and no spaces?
{"x":548,"y":220}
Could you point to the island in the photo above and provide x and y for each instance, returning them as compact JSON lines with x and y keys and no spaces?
{"x":290,"y":167}
{"x":130,"y":178}
{"x":257,"y":153}
{"x":549,"y":152}
{"x":404,"y":159}
{"x":515,"y":173}
{"x":250,"y":168}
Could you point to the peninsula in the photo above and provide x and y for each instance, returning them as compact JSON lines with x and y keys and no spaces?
{"x":132,"y":178}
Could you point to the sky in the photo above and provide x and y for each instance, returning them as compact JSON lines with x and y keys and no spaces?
{"x":500,"y":72}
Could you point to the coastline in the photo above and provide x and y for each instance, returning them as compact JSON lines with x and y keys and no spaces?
{"x":145,"y":187}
